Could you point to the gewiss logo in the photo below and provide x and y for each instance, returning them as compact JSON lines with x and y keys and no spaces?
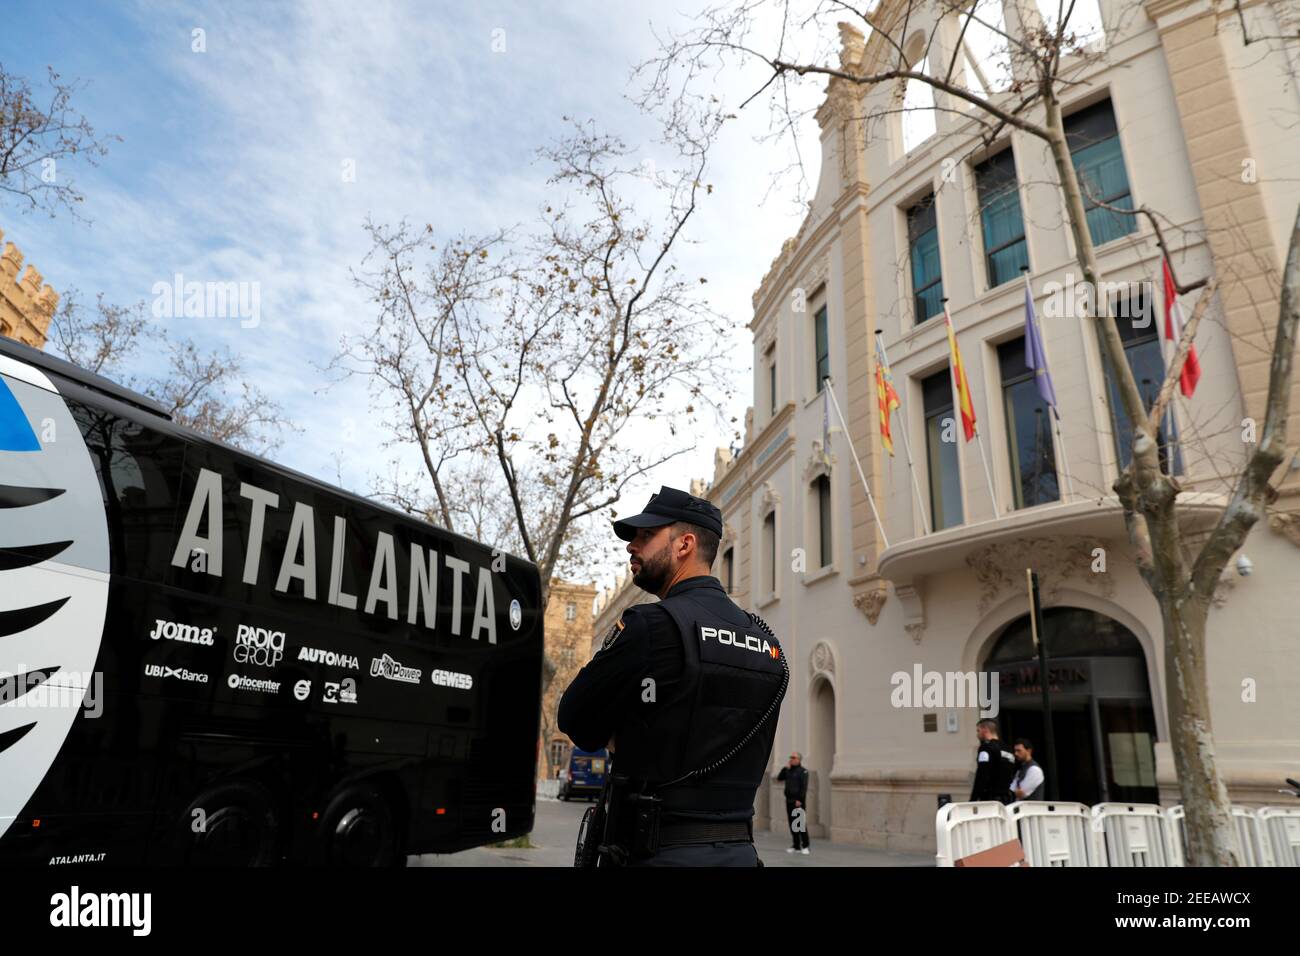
{"x":746,"y":642}
{"x":53,"y":577}
{"x":188,"y":633}
{"x":257,"y":645}
{"x":390,"y":669}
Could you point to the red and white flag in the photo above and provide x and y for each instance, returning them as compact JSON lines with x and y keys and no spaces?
{"x":1174,"y":331}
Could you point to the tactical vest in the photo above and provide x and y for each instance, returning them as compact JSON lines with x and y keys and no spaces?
{"x":733,"y":675}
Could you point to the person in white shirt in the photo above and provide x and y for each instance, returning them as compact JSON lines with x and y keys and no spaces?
{"x":1029,"y":783}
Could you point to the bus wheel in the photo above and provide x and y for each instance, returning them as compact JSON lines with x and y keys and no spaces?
{"x":231,"y":824}
{"x":358,"y":829}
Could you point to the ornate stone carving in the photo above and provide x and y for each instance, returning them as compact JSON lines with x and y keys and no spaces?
{"x":768,"y":337}
{"x":728,"y":536}
{"x":1287,"y":525}
{"x":871,"y":603}
{"x":817,"y":274}
{"x":1001,"y":566}
{"x":822,"y":659}
{"x":915,"y":630}
{"x":818,"y":463}
{"x":771,"y":497}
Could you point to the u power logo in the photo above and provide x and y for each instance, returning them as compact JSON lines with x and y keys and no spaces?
{"x":746,"y":642}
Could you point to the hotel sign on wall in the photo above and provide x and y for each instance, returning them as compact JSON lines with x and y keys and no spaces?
{"x":1072,"y":676}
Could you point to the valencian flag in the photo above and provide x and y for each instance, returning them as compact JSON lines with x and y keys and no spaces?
{"x":1174,"y":331}
{"x":887,"y":397}
{"x":1035,"y":356}
{"x":959,"y":382}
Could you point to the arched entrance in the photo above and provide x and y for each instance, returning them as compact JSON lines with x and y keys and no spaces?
{"x":1102,"y":716}
{"x":820,"y":756}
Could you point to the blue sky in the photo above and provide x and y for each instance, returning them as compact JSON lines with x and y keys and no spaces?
{"x":231,"y":166}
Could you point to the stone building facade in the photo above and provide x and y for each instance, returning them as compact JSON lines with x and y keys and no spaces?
{"x":1182,"y":115}
{"x":27,"y":305}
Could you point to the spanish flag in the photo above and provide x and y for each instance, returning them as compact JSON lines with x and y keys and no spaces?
{"x":887,"y":397}
{"x":960,"y":384}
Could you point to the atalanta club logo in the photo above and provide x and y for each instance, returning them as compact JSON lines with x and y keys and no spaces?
{"x":53,"y":577}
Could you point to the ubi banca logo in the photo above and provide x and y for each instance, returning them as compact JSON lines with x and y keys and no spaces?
{"x":179,"y":673}
{"x":188,"y":633}
{"x":390,"y":669}
{"x":257,"y":645}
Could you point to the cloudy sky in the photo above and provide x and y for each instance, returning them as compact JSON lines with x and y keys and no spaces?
{"x":231,"y":166}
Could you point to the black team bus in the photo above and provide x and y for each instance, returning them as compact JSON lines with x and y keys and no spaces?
{"x":208,"y":658}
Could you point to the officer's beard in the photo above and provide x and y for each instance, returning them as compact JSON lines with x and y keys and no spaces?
{"x":655,"y":571}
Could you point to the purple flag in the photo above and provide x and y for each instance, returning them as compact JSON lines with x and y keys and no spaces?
{"x":1035,"y":357}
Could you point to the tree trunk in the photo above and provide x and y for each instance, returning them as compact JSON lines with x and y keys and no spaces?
{"x":1211,"y":838}
{"x":1210,"y":835}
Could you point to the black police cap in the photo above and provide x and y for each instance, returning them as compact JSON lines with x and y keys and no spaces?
{"x":667,"y":506}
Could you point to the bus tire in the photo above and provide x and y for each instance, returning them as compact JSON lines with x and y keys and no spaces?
{"x":233,"y":823}
{"x":358,"y":829}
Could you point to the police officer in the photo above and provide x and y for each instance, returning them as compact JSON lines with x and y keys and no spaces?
{"x":685,"y":694}
{"x":994,"y":766}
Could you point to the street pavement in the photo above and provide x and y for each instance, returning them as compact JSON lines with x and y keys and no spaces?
{"x":556,"y":828}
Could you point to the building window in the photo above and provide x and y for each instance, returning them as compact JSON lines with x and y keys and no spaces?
{"x":1029,"y":430}
{"x":941,"y":451}
{"x":1005,"y":250}
{"x":1134,"y":316}
{"x":918,"y":120}
{"x":729,"y":569}
{"x":558,"y":753}
{"x":823,"y":488}
{"x":771,"y":379}
{"x":769,"y":548}
{"x":821,"y":338}
{"x":923,"y":249}
{"x":1099,"y":163}
{"x":571,"y":611}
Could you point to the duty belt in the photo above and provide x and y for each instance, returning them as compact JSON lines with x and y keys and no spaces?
{"x":683,"y":832}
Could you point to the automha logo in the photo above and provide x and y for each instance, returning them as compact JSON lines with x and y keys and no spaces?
{"x":337,"y":692}
{"x":314,"y":655}
{"x":179,"y":673}
{"x":390,"y":669}
{"x":240,"y":682}
{"x":75,"y":908}
{"x":452,"y":679}
{"x":257,"y":645}
{"x":188,"y":633}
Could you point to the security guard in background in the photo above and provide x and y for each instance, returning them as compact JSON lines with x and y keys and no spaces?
{"x":994,"y":765}
{"x":685,"y":694}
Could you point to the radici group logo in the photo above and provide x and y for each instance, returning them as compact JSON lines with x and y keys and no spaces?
{"x":257,"y":645}
{"x":53,"y":580}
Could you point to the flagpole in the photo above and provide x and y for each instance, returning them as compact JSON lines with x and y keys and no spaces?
{"x":956,"y":407}
{"x":907,"y":445}
{"x":1056,"y":418}
{"x":988,"y":475}
{"x":826,"y":383}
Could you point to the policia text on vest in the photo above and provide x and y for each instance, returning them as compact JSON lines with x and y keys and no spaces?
{"x":685,"y":693}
